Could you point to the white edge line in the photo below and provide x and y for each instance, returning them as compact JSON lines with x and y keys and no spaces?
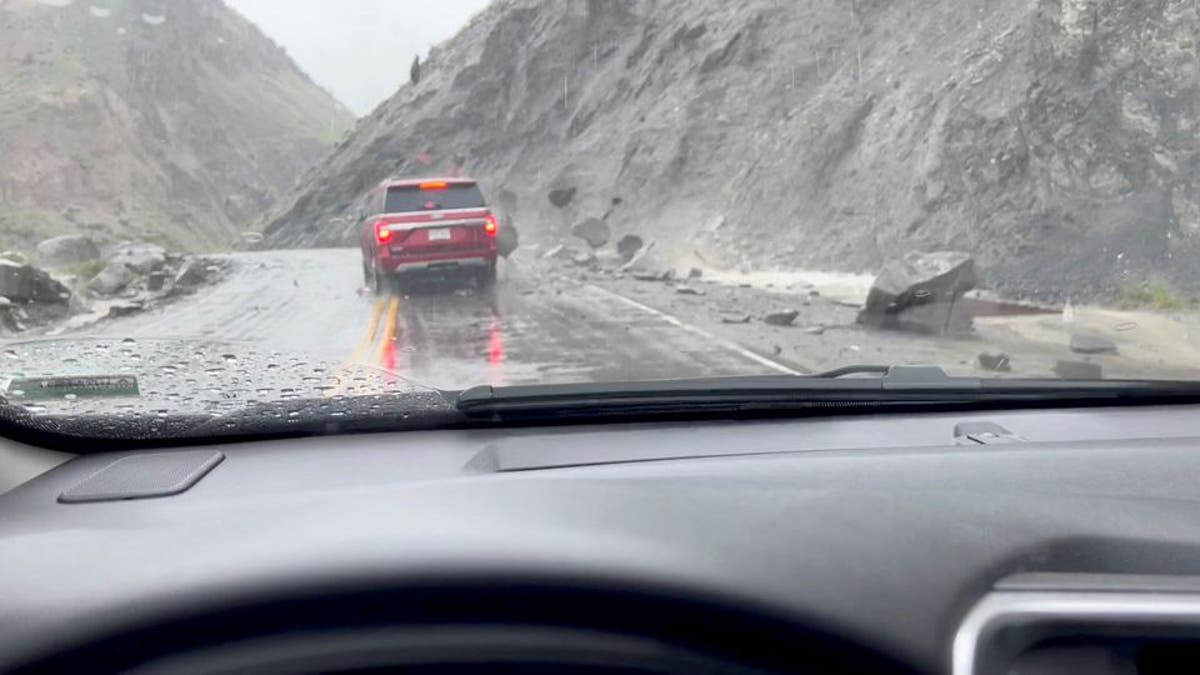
{"x":727,"y":344}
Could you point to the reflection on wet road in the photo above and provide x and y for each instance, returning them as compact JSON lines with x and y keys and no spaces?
{"x":446,"y":335}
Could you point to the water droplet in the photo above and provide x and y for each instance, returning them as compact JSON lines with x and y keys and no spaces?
{"x":10,"y":354}
{"x":229,"y":358}
{"x":71,"y":397}
{"x":129,"y":341}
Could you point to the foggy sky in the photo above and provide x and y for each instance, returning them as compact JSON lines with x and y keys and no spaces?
{"x":360,"y":50}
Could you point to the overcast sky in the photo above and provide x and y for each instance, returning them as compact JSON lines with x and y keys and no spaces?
{"x":360,"y":50}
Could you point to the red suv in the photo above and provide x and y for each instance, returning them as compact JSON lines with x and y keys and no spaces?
{"x":427,"y":226}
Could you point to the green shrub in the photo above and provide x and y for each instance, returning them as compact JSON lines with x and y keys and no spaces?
{"x":1152,"y":294}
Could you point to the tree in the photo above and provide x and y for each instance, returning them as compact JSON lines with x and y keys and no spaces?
{"x":415,"y":72}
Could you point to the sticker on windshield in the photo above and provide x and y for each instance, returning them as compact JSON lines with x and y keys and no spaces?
{"x":93,"y":386}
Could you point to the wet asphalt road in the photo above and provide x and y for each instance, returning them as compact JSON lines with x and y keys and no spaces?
{"x":528,"y":330}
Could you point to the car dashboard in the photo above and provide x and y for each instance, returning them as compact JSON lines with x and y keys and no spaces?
{"x":991,"y":542}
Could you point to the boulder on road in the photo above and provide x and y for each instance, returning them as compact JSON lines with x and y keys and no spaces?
{"x":26,"y":283}
{"x":594,"y":231}
{"x":996,"y":363}
{"x":782,"y":318}
{"x":629,"y":246}
{"x":140,"y":257}
{"x":111,"y":280}
{"x":922,"y":292}
{"x":1087,"y":343}
{"x":67,"y":251}
{"x":194,"y":272}
{"x":507,"y":239}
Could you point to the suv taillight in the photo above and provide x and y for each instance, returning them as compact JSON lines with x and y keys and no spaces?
{"x":490,"y":225}
{"x":383,"y":232}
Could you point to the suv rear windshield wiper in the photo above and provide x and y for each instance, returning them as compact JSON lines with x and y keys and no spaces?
{"x":897,"y":388}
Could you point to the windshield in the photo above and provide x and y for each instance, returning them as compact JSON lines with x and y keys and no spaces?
{"x":218,"y":211}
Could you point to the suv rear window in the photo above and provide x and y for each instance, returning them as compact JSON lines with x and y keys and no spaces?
{"x":404,"y":199}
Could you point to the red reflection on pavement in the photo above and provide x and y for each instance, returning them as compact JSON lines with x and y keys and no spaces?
{"x":388,"y":361}
{"x":496,"y":344}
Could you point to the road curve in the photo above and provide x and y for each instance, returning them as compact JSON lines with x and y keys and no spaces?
{"x":528,"y":330}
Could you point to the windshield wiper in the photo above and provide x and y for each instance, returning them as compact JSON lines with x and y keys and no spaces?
{"x":896,"y":388}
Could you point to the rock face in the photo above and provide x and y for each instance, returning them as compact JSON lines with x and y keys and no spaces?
{"x":67,"y":251}
{"x":1053,"y":140}
{"x":594,"y":231}
{"x":28,"y":284}
{"x":179,"y":130}
{"x":922,"y":292}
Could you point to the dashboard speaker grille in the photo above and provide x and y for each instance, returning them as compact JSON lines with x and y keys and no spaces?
{"x":144,"y":477}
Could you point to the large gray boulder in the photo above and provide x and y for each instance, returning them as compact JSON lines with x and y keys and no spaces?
{"x":67,"y":251}
{"x":922,"y":292}
{"x":27,"y":284}
{"x":140,"y":257}
{"x":113,"y":279}
{"x":594,"y":231}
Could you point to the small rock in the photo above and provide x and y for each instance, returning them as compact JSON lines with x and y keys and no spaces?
{"x":562,"y":197}
{"x":125,"y":308}
{"x":1078,"y":370}
{"x":695,"y":273}
{"x":651,"y":275}
{"x":782,"y":318}
{"x":629,"y":245}
{"x":156,"y":281}
{"x":814,"y":293}
{"x":688,"y":290}
{"x":740,"y":319}
{"x":1086,"y":343}
{"x":776,"y":350}
{"x":996,"y":363}
{"x":848,"y":303}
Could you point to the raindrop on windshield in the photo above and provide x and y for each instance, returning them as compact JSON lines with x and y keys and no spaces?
{"x":129,"y":341}
{"x":229,"y":358}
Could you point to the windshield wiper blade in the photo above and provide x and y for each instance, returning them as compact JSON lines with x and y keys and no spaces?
{"x":898,"y":388}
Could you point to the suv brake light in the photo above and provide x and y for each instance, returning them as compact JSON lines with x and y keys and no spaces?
{"x":383,"y":233}
{"x":490,"y":226}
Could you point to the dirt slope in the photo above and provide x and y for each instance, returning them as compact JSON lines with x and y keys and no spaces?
{"x":176,"y":122}
{"x":1054,"y":139}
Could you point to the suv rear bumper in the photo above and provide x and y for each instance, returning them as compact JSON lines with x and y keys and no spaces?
{"x":440,"y":263}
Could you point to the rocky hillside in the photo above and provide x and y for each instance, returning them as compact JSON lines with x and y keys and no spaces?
{"x":169,"y":121}
{"x":1055,"y":140}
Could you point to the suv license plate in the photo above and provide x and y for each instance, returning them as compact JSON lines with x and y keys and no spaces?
{"x":440,"y":235}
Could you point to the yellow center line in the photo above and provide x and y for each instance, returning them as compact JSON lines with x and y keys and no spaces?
{"x":389,"y":330}
{"x":368,"y":339}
